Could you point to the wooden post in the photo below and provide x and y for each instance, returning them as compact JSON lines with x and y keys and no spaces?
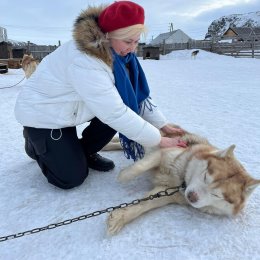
{"x":253,"y":47}
{"x":28,"y":47}
{"x":10,"y":51}
{"x":163,"y":47}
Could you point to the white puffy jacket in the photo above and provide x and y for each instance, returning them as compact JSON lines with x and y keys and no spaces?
{"x":70,"y":87}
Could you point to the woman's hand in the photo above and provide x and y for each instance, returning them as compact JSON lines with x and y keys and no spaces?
{"x":168,"y":129}
{"x":167,"y":142}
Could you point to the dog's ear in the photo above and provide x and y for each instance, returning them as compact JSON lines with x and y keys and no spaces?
{"x":251,"y":185}
{"x":229,"y":152}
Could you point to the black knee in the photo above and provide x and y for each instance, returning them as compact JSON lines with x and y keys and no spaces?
{"x":29,"y":149}
{"x":74,"y":180}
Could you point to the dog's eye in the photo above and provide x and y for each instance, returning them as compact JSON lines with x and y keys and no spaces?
{"x":205,"y":177}
{"x":204,"y":174}
{"x":216,"y":195}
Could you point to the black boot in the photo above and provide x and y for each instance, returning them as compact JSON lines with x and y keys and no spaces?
{"x":99,"y":163}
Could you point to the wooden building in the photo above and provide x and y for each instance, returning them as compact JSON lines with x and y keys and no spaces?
{"x":242,"y":34}
{"x":4,"y":50}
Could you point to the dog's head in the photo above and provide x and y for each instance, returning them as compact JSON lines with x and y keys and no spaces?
{"x":29,"y":64}
{"x":27,"y":58}
{"x":217,"y":183}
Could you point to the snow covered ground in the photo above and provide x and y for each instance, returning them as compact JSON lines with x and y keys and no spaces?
{"x":215,"y":96}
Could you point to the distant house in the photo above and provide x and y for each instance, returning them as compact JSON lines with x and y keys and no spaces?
{"x":242,"y":33}
{"x":10,"y":51}
{"x":177,"y":36}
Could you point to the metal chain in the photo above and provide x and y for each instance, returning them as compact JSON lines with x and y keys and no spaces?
{"x":14,"y":84}
{"x":160,"y":194}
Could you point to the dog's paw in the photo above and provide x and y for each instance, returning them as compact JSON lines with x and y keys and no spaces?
{"x":124,"y":176}
{"x":115,"y":221}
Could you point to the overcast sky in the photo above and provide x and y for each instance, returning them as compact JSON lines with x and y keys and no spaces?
{"x":48,"y":21}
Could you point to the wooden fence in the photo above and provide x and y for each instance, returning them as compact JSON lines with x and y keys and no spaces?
{"x":40,"y":51}
{"x":238,"y":49}
{"x":241,"y":49}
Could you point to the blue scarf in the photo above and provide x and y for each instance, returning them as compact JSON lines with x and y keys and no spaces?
{"x":133,"y":88}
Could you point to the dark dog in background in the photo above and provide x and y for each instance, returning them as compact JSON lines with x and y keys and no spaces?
{"x":194,"y":54}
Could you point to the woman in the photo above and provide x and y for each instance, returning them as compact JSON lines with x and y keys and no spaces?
{"x":94,"y":78}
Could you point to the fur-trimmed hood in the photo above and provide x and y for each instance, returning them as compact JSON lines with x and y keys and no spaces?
{"x":89,"y":37}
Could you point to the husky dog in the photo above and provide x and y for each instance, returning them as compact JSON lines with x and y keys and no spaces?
{"x":29,"y":65}
{"x":216,"y":183}
{"x":194,"y":54}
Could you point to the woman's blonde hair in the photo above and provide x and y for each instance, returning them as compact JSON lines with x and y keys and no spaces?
{"x":124,"y":33}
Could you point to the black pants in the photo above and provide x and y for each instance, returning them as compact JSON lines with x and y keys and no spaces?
{"x":61,"y":155}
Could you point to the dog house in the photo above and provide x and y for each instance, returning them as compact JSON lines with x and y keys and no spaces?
{"x":151,"y":52}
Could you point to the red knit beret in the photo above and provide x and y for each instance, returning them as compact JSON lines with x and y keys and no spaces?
{"x":120,"y":15}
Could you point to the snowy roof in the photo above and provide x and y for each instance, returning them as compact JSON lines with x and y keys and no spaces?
{"x":163,"y":36}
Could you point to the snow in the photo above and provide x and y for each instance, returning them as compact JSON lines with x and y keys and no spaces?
{"x":214,"y":96}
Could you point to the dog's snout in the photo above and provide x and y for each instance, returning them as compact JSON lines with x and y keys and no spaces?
{"x":193,"y":197}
